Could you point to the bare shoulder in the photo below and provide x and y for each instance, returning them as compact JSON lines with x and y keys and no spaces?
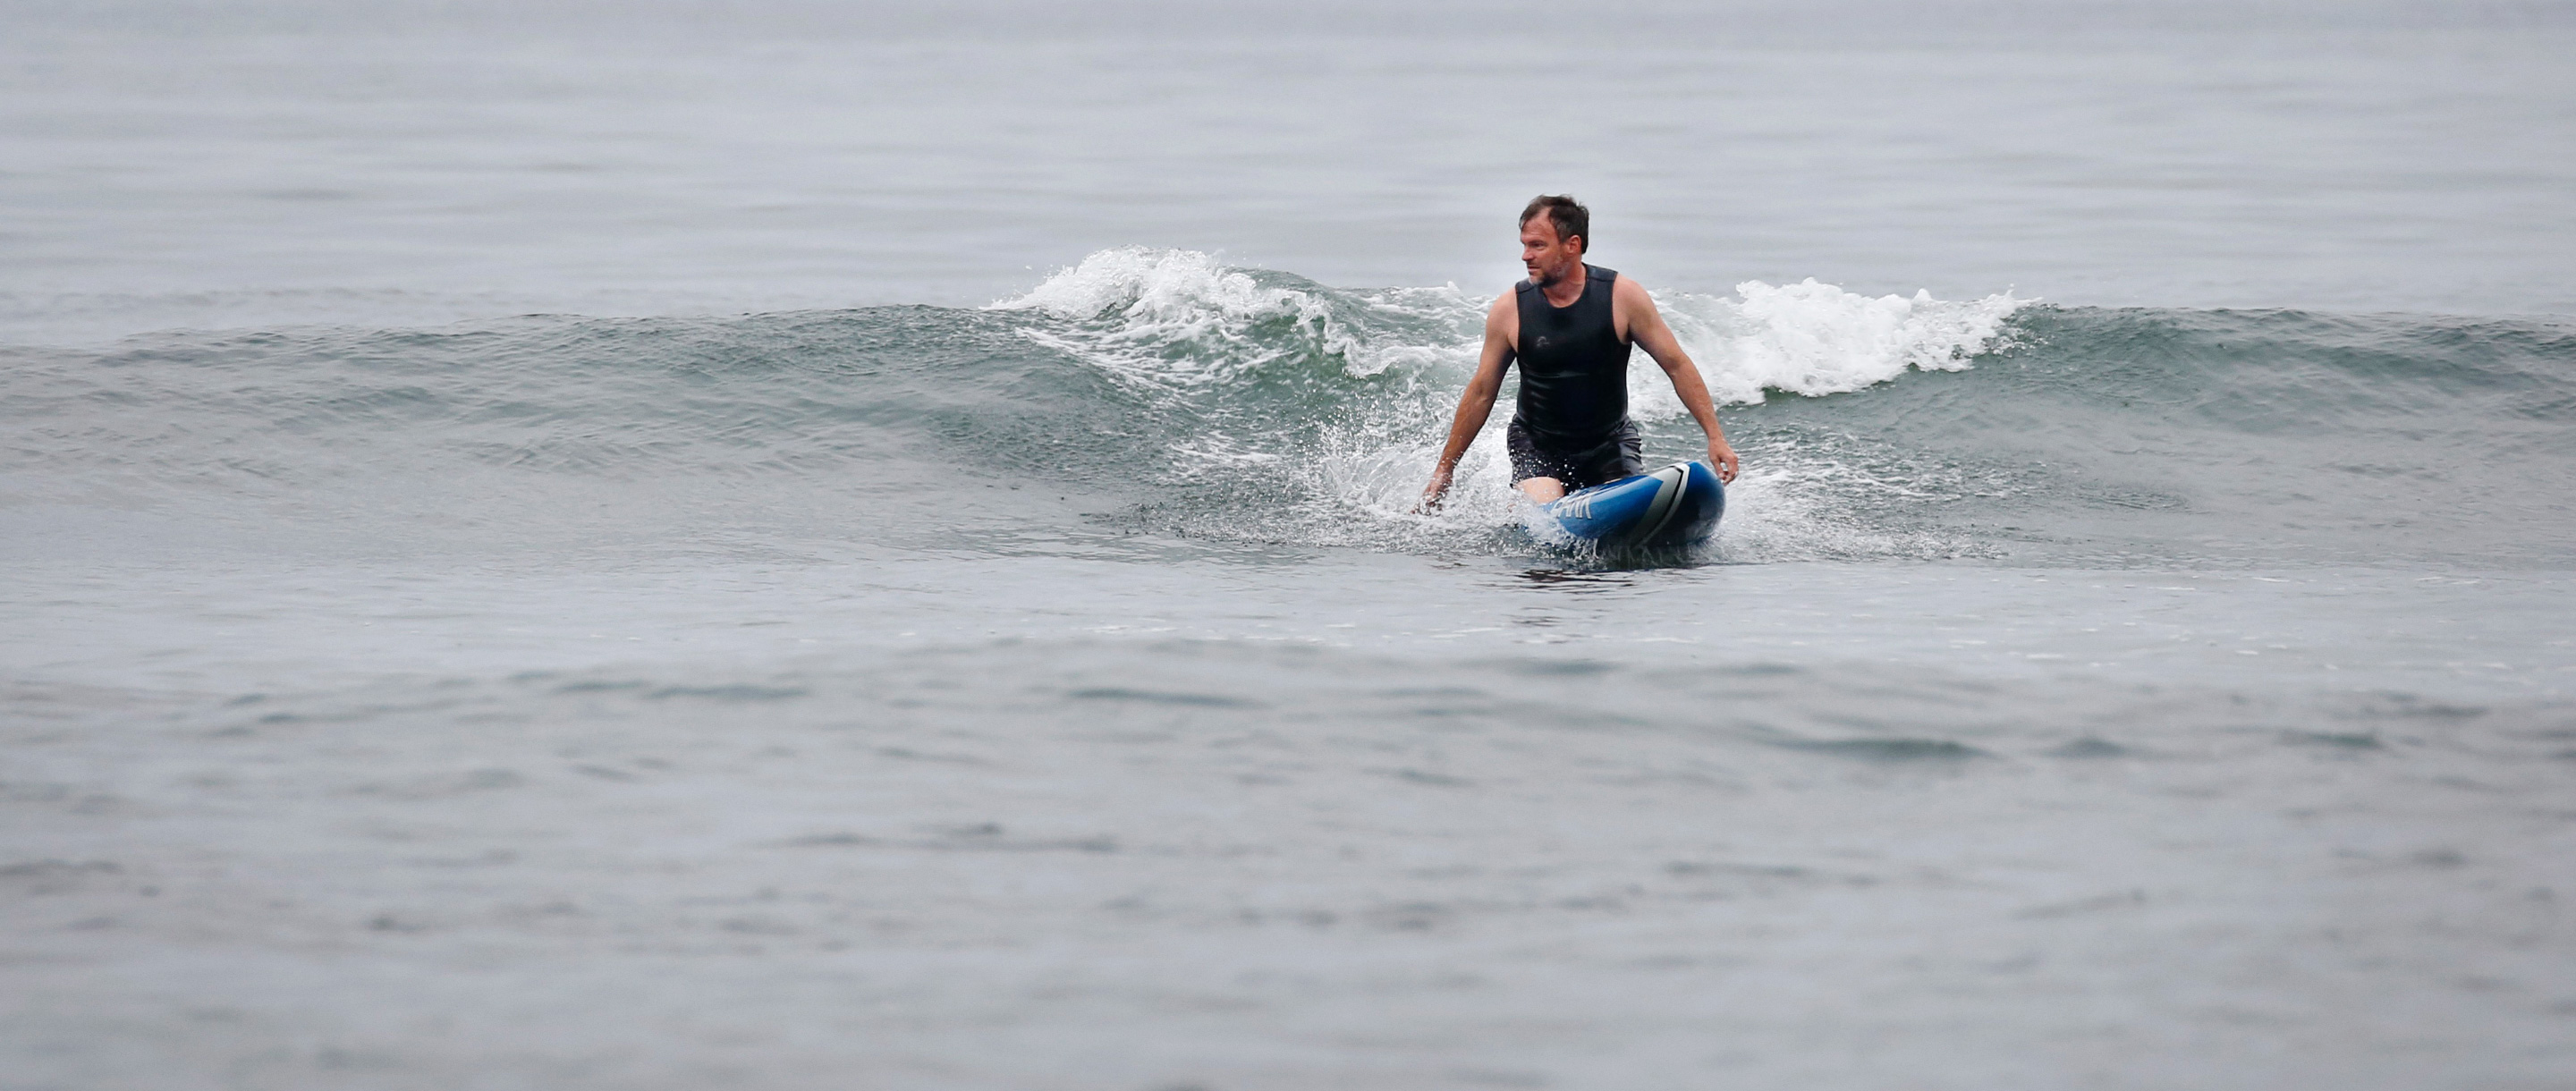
{"x":1504,"y":316}
{"x":1632,"y":310}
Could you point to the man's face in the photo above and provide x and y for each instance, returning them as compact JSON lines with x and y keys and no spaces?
{"x":1548,"y":258}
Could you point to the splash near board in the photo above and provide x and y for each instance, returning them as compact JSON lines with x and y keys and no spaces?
{"x":1672,"y":508}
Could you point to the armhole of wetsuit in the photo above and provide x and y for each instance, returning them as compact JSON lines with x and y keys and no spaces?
{"x":1520,"y":324}
{"x":1611,"y":278}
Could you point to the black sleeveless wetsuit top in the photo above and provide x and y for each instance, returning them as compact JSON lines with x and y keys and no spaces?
{"x":1574,"y":367}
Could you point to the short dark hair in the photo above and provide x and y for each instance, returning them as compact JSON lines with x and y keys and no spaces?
{"x":1572,"y":220}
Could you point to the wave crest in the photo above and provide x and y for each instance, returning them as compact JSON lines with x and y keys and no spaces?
{"x":1814,"y":339}
{"x":1145,"y":288}
{"x":1179,"y":318}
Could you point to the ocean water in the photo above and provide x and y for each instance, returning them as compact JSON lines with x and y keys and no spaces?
{"x":771,"y":545}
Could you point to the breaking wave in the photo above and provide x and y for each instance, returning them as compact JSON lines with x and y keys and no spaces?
{"x":1163,"y":393}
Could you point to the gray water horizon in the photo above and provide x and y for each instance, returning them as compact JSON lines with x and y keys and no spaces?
{"x":187,"y":164}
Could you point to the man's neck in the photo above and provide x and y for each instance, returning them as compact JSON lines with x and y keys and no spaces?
{"x":1565,"y":289}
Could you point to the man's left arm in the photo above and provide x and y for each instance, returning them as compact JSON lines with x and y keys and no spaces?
{"x":1646,"y":328}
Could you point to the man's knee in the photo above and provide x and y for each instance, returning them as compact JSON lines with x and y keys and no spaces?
{"x":1542,"y":489}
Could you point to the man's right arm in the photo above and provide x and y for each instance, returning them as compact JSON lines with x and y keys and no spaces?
{"x":1477,"y":403}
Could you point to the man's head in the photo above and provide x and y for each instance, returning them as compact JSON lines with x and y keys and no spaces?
{"x":1555,"y":233}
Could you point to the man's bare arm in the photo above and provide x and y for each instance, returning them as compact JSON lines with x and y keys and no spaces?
{"x":1477,"y":403}
{"x":1646,"y":328}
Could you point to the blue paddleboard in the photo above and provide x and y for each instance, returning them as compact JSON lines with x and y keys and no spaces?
{"x":1674,"y":507}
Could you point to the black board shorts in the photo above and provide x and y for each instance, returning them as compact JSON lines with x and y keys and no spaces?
{"x":1622,"y":455}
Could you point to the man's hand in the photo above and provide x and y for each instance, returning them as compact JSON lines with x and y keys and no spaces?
{"x":1723,"y":457}
{"x":1433,"y":492}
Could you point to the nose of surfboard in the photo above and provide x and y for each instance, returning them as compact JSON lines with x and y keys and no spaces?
{"x":1677,"y":505}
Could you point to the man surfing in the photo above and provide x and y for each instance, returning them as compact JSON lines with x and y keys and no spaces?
{"x":1570,"y":326}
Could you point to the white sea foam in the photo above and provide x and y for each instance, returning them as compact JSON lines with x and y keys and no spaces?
{"x":1136,"y":306}
{"x":1174,"y":289}
{"x":1813,"y":338}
